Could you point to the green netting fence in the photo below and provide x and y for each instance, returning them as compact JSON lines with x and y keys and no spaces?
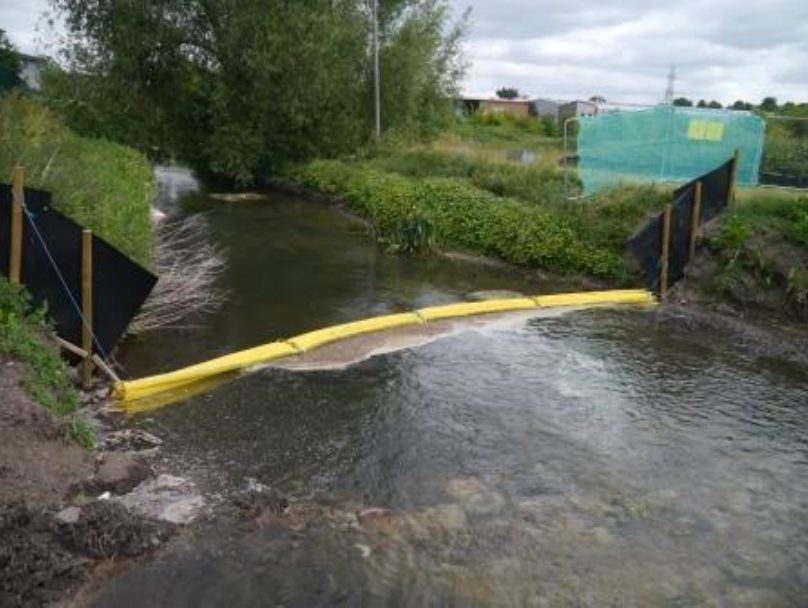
{"x":666,"y":144}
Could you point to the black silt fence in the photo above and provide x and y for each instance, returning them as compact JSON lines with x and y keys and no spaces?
{"x":646,"y":244}
{"x":120,"y":286}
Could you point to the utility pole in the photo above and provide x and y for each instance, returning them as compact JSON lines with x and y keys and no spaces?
{"x":670,"y":92}
{"x":376,"y":83}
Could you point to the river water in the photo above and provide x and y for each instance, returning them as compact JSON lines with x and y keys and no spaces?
{"x":595,"y":458}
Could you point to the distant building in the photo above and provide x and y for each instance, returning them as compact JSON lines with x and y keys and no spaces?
{"x":31,"y":68}
{"x":541,"y":107}
{"x":514,"y":107}
{"x":577,"y":108}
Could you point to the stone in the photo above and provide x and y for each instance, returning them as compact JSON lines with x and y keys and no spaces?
{"x":70,"y":515}
{"x":166,"y":498}
{"x":120,"y":473}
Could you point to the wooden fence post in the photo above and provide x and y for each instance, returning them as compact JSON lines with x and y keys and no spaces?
{"x":733,"y":176}
{"x":695,"y":220}
{"x":15,"y":253}
{"x":87,"y":306}
{"x":665,"y":253}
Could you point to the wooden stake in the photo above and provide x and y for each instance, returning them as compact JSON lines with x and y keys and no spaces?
{"x":695,"y":220}
{"x":87,"y":306}
{"x":15,"y":257}
{"x":80,"y":352}
{"x":733,"y":175}
{"x":665,"y":253}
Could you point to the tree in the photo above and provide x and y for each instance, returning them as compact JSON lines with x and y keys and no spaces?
{"x":741,"y":105}
{"x":683,"y":102}
{"x":243,"y":87}
{"x":597,"y":99}
{"x":715,"y":105}
{"x":769,"y":104}
{"x":508,"y":93}
{"x":701,"y":104}
{"x":9,"y":63}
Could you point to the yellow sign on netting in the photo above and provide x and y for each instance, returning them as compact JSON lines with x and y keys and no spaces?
{"x":705,"y":130}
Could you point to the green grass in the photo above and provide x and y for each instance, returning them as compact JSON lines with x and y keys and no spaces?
{"x":25,"y":336}
{"x":765,"y":235}
{"x":102,"y":185}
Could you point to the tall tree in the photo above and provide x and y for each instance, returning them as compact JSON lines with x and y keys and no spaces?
{"x":9,"y":62}
{"x":769,"y":104}
{"x":241,"y":87}
{"x":508,"y":93}
{"x":682,"y":102}
{"x":741,"y":105}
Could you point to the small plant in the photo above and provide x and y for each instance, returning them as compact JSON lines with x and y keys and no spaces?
{"x":412,"y":234}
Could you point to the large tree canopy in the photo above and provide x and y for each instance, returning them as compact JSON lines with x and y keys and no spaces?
{"x":242,"y":86}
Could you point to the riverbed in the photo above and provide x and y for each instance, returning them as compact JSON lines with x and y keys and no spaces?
{"x":595,"y":458}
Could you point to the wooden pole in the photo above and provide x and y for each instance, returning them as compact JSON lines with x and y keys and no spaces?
{"x":87,"y":306}
{"x":733,"y":175}
{"x":695,"y":220}
{"x":15,"y":257}
{"x":665,"y":253}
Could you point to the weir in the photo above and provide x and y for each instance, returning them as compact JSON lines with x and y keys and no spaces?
{"x":131,"y":394}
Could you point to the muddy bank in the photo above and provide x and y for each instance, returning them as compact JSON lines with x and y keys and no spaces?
{"x":763,"y":293}
{"x":59,"y":516}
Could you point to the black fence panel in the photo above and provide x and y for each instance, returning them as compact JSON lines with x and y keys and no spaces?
{"x":646,"y":244}
{"x":120,"y":286}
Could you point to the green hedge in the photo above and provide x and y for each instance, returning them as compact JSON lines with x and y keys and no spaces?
{"x":466,"y":217}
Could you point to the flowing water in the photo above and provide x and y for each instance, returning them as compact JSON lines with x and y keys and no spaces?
{"x":596,"y":458}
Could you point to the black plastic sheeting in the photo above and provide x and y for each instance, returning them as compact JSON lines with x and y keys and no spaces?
{"x":120,"y":286}
{"x":646,"y":244}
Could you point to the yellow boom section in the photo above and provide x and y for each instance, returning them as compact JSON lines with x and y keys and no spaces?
{"x":134,"y":390}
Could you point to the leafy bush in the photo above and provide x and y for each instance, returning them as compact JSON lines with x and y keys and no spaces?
{"x":786,"y":156}
{"x":102,"y":185}
{"x":464,"y":216}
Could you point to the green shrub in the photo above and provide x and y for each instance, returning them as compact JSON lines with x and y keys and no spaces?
{"x":786,"y":156}
{"x":466,"y":217}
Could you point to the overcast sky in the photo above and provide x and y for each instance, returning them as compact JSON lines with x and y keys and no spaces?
{"x":621,"y":49}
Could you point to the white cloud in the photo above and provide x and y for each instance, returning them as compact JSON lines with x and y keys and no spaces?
{"x":723,"y":49}
{"x":19,"y":18}
{"x":622,"y":49}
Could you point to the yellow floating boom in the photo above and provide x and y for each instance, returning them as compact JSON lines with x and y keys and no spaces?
{"x":134,"y":390}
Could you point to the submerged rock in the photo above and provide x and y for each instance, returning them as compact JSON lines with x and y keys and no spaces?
{"x":167,"y":498}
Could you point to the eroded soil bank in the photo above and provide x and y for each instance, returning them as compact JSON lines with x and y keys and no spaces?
{"x":54,"y":529}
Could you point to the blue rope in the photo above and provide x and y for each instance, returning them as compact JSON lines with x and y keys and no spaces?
{"x":62,"y":280}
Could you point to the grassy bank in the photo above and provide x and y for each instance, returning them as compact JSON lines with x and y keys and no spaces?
{"x":102,"y":185}
{"x":26,"y":337}
{"x":762,"y":251}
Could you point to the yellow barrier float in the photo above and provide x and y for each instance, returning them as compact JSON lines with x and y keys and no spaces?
{"x":131,"y":392}
{"x":467,"y":309}
{"x":314,"y":339}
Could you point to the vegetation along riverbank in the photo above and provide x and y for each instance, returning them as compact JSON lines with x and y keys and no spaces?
{"x":460,"y":192}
